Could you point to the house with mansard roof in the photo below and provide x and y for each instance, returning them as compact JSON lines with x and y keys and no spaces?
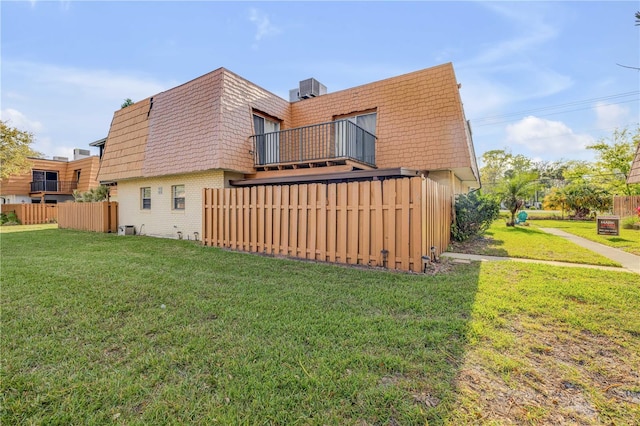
{"x":221,"y":131}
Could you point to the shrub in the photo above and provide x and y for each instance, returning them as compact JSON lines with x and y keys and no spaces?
{"x":100,"y":193}
{"x":9,"y":218}
{"x":474,"y":215}
{"x":629,"y":222}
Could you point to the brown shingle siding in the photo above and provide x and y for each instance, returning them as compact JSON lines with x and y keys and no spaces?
{"x":126,"y":142}
{"x":206,"y":124}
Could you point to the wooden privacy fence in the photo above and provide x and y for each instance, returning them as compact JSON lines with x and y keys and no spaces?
{"x":390,"y":223}
{"x":97,"y":217}
{"x":33,"y":214}
{"x":626,"y":205}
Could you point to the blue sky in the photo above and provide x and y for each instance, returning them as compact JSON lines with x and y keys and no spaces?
{"x":538,"y":78}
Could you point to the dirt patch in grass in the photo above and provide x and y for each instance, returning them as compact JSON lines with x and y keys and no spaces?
{"x":478,"y":245}
{"x":559,"y":377}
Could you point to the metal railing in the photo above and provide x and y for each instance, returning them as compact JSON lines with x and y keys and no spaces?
{"x":336,"y":139}
{"x":53,"y":186}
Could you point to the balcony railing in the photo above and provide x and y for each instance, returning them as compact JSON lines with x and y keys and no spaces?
{"x":53,"y":186}
{"x":341,"y":139}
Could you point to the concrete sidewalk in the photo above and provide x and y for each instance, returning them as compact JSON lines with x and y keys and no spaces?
{"x":629,"y":261}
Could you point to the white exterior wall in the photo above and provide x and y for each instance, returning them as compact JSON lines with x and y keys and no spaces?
{"x":161,"y":220}
{"x":15,"y":199}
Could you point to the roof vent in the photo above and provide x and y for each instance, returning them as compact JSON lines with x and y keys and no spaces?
{"x":309,"y":88}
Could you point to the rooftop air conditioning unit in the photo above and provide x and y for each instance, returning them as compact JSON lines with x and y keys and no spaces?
{"x":60,"y":158}
{"x":81,"y":153}
{"x":294,"y":95}
{"x":311,"y":88}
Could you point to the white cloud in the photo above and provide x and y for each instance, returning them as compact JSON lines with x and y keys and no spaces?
{"x":534,"y":32}
{"x":482,"y":97}
{"x":546,"y":137}
{"x":264,"y":27}
{"x":67,"y":107}
{"x":610,"y":116}
{"x":18,"y":120}
{"x":513,"y":69}
{"x":100,"y":84}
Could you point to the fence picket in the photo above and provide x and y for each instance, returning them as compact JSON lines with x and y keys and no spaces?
{"x":346,"y":222}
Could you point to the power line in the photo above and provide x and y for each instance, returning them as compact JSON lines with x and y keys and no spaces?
{"x":554,"y":113}
{"x":577,"y":132}
{"x":572,"y":103}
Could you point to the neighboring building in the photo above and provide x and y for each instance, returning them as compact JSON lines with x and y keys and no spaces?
{"x":634,"y":174}
{"x":220,"y":130}
{"x":52,"y":181}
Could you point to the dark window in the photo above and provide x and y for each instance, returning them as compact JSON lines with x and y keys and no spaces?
{"x":177,"y":194}
{"x":44,"y":181}
{"x":145,"y":198}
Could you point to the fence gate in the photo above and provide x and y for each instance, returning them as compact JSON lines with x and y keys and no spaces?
{"x":97,"y":217}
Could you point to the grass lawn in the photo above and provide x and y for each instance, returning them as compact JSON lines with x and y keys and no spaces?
{"x":628,"y":240}
{"x":23,"y":228}
{"x":98,"y":328}
{"x":530,"y":243}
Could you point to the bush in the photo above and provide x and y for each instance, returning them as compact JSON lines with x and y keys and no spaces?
{"x":9,"y":218}
{"x":629,"y":222}
{"x":474,"y":215}
{"x":100,"y":193}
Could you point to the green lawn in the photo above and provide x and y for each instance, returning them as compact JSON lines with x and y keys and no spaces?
{"x":628,"y":240}
{"x":7,"y":229}
{"x":528,"y":242}
{"x":101,"y":329}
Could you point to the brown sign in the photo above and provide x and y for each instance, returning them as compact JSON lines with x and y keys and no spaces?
{"x":608,"y":225}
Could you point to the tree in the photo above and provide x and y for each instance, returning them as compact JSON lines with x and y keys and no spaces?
{"x":127,"y":102}
{"x":514,"y":190}
{"x":100,"y":193}
{"x":584,"y":199}
{"x":500,"y":163}
{"x":15,"y":150}
{"x":614,"y":158}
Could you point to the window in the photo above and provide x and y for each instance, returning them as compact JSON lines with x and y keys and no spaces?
{"x":352,"y":142}
{"x":44,"y":180}
{"x":177,"y":194}
{"x":267,"y":141}
{"x":76,"y":176}
{"x":145,"y":198}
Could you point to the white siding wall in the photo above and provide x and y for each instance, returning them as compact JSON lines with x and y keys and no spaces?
{"x":16,"y":199}
{"x":161,"y":220}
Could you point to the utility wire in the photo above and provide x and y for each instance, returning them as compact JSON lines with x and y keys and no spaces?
{"x":573,"y":103}
{"x":578,"y":132}
{"x":553,"y":113}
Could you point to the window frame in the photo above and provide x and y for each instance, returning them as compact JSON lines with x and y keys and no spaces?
{"x":145,"y":202}
{"x":177,"y":201}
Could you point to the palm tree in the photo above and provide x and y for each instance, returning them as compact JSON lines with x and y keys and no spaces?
{"x":514,"y":190}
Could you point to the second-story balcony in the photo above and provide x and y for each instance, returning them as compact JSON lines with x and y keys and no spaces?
{"x":332,"y":142}
{"x":65,"y":187}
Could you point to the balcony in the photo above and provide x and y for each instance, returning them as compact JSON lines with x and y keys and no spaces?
{"x":336,"y":142}
{"x":53,"y":186}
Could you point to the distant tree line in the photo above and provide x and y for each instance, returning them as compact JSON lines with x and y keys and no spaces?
{"x":580,"y":188}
